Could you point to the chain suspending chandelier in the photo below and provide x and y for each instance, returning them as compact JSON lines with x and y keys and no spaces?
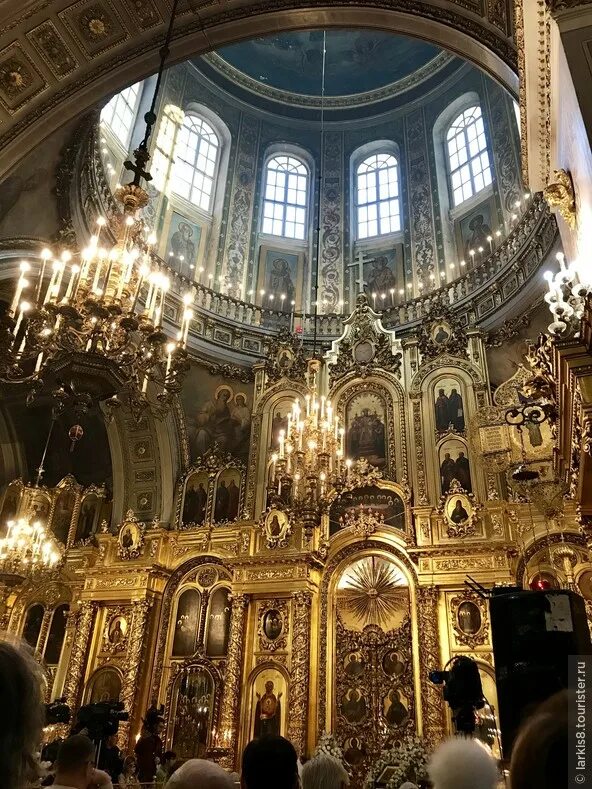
{"x":78,"y":313}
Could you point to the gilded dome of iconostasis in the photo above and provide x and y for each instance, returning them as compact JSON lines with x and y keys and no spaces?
{"x":342,"y":269}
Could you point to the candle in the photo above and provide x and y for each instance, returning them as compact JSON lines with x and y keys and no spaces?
{"x":73,"y":272}
{"x":392,"y":292}
{"x":281,"y":439}
{"x":274,"y":458}
{"x":490,"y":240}
{"x":187,"y":316}
{"x":169,"y":348}
{"x":20,"y":286}
{"x":25,"y":307}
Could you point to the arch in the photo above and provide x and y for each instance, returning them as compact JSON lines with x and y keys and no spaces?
{"x":198,"y":710}
{"x":105,"y":684}
{"x":32,"y":624}
{"x":336,"y":563}
{"x":197,"y":154}
{"x":186,"y":622}
{"x":56,"y":635}
{"x":219,"y":610}
{"x":268,"y":669}
{"x":132,"y":57}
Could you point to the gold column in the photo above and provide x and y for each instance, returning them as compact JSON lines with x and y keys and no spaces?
{"x":432,"y":702}
{"x":300,"y":674}
{"x":232,"y":680}
{"x":133,"y":663}
{"x":79,"y":654}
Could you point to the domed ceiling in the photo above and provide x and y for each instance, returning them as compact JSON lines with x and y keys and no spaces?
{"x":361,"y":65}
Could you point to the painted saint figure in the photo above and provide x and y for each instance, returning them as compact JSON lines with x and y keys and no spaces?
{"x":268,"y":712}
{"x":459,"y":513}
{"x":442,"y":411}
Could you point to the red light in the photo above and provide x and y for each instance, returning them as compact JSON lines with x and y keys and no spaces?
{"x":540,"y":584}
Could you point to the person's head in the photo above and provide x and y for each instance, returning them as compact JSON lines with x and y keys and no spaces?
{"x":168,"y":757}
{"x":461,"y":455}
{"x":268,"y":686}
{"x":20,"y":728}
{"x":324,"y":772}
{"x":111,"y":741}
{"x":441,"y":392}
{"x":461,"y":763}
{"x":129,"y":766}
{"x":447,"y":456}
{"x":200,"y":774}
{"x":75,"y":762}
{"x":539,"y":755}
{"x":269,"y":763}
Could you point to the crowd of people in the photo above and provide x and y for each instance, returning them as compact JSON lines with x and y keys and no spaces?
{"x":539,"y":756}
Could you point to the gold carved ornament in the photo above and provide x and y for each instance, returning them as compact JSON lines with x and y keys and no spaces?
{"x":469,"y":631}
{"x":300,"y":673}
{"x":273,"y":625}
{"x":560,"y":195}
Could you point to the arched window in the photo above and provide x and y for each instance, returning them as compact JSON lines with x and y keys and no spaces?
{"x":32,"y":626}
{"x":119,"y":113}
{"x":468,"y":158}
{"x":196,"y":157}
{"x":286,"y":191}
{"x":57,"y":632}
{"x":377,"y":196}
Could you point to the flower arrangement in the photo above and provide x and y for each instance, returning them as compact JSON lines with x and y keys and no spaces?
{"x":409,"y":759}
{"x":328,"y":745}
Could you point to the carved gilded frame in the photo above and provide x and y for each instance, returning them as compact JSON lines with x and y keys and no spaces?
{"x":460,"y":638}
{"x":199,"y":663}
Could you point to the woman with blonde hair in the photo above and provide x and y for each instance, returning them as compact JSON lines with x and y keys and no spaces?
{"x":20,"y":727}
{"x":129,"y":776}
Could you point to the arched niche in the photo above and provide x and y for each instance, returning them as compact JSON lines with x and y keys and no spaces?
{"x":202,"y":574}
{"x":229,"y":493}
{"x":218,"y":622}
{"x":441,"y":426}
{"x":65,"y":506}
{"x":186,"y":623}
{"x":194,"y":700}
{"x":56,"y":635}
{"x":264,"y":702}
{"x":368,"y":638}
{"x":387,"y":501}
{"x":372,"y":412}
{"x":104,"y":685}
{"x":32,"y":624}
{"x":280,"y":397}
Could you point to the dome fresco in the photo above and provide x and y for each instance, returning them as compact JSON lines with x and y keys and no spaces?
{"x":356,"y":61}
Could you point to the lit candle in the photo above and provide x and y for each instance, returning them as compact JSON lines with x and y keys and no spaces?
{"x":392,"y":292}
{"x":281,"y":439}
{"x":490,"y":240}
{"x":20,"y":286}
{"x":24,"y":307}
{"x":45,"y":256}
{"x":187,"y":316}
{"x":374,"y":300}
{"x":69,"y":290}
{"x":169,"y":348}
{"x":472,"y":254}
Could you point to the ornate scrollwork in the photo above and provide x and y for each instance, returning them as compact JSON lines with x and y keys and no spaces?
{"x":300,"y":674}
{"x":78,"y":656}
{"x":560,"y":194}
{"x":460,"y":510}
{"x":273,"y":627}
{"x":285,"y":357}
{"x":366,"y":345}
{"x":130,"y":541}
{"x":442,"y":333}
{"x":115,"y":638}
{"x":232,"y":679}
{"x":429,"y":655}
{"x":133,"y":661}
{"x":469,"y":619}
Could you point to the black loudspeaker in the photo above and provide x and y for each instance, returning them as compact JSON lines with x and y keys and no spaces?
{"x":533,"y":634}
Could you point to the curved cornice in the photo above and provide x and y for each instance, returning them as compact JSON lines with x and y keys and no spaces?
{"x":238,"y":77}
{"x":59,"y":57}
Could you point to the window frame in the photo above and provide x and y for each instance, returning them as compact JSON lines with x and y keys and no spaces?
{"x":196,"y":172}
{"x":298,"y":157}
{"x":396,"y":198}
{"x":114,"y":100}
{"x":470,"y":158}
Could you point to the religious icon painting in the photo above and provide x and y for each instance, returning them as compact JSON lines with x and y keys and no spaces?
{"x":449,"y":406}
{"x":116,"y":633}
{"x":227,"y":495}
{"x":354,"y":751}
{"x":62,"y":515}
{"x":440,"y":332}
{"x":273,"y":625}
{"x":468,"y":618}
{"x":392,"y":664}
{"x":269,"y":703}
{"x":195,"y":501}
{"x":353,"y":664}
{"x":218,"y":623}
{"x":454,"y":465}
{"x":10,"y":504}
{"x":187,"y":623}
{"x":365,"y":429}
{"x":395,"y":708}
{"x":104,"y":686}
{"x":88,"y":517}
{"x":193,"y":709}
{"x":131,"y":538}
{"x":353,"y":705}
{"x":276,"y":528}
{"x":460,"y":512}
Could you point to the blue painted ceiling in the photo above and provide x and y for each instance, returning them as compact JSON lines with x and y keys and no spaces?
{"x":357,"y":61}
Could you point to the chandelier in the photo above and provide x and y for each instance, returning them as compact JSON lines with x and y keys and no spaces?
{"x":310,"y":463}
{"x":26,"y":549}
{"x":568,"y":290}
{"x":78,"y":312}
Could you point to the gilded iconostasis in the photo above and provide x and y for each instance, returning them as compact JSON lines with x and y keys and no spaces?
{"x":281,"y":543}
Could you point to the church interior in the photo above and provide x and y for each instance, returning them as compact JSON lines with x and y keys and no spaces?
{"x":295,"y":339}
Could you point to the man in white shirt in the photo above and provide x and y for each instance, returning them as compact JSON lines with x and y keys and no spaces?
{"x":75,"y":766}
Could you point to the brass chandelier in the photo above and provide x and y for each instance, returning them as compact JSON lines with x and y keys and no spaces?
{"x":78,"y":313}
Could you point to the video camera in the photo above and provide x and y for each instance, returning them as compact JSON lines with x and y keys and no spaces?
{"x":101,"y":719}
{"x":462,"y":690}
{"x":57,"y":712}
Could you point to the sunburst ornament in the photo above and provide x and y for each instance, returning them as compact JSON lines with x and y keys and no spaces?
{"x":373,"y":591}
